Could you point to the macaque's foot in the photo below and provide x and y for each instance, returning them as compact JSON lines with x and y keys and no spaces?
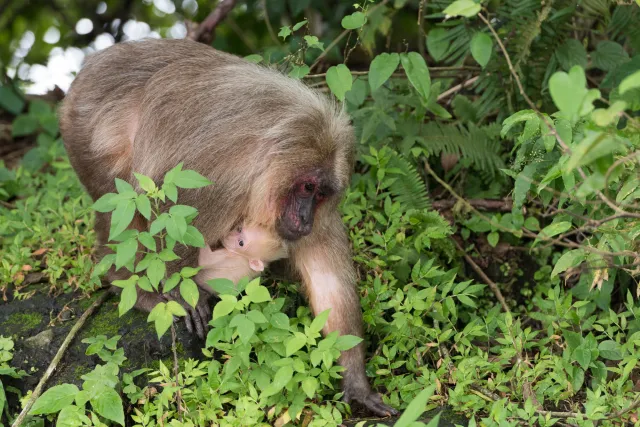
{"x":197,"y":319}
{"x":372,"y":402}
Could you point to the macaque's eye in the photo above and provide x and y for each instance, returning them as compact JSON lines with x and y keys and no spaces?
{"x":309,"y":187}
{"x":241,"y":243}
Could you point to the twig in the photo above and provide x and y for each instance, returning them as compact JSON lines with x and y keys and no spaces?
{"x":456,"y":88}
{"x":175,"y":370}
{"x":54,"y":363}
{"x":491,"y":205}
{"x":431,"y":70}
{"x":634,"y":405}
{"x":484,"y":277}
{"x":204,"y":32}
{"x":421,"y":33}
{"x":268,"y":23}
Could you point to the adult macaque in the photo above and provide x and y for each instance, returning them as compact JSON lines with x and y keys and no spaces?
{"x":245,"y":253}
{"x":280,"y":156}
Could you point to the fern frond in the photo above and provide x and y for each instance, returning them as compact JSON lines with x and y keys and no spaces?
{"x":409,"y":188}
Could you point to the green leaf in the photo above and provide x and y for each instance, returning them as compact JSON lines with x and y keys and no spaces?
{"x":176,"y":309}
{"x":555,"y":228}
{"x":284,"y":32}
{"x":147,"y":240}
{"x":381,"y":68}
{"x":346,"y":342}
{"x":438,"y":43}
{"x":295,"y":343}
{"x":417,"y":73}
{"x":10,"y":101}
{"x":299,"y":25}
{"x":522,"y":184}
{"x":569,"y":93}
{"x":176,"y":227}
{"x":630,"y":82}
{"x":126,"y":252}
{"x":358,"y":93}
{"x":608,"y":55}
{"x":571,"y":53}
{"x":592,"y":147}
{"x":254,"y":58}
{"x":182,"y":210}
{"x":319,"y":321}
{"x":193,"y":237}
{"x":280,"y":379}
{"x":171,"y":282}
{"x":145,"y":284}
{"x":415,"y":408}
{"x":72,"y":416}
{"x":190,"y":179}
{"x":466,"y":300}
{"x":189,"y":292}
{"x":156,"y":271}
{"x":23,"y":125}
{"x":568,"y":260}
{"x":223,"y":286}
{"x":107,"y":403}
{"x":123,"y":186}
{"x":582,"y":355}
{"x":145,"y":182}
{"x":244,"y":327}
{"x":493,"y":238}
{"x":280,"y":321}
{"x":256,"y":292}
{"x":171,"y":191}
{"x":106,"y":203}
{"x":466,"y":8}
{"x":121,"y":217}
{"x":225,"y":306}
{"x":162,"y":318}
{"x":605,"y":116}
{"x":312,"y":41}
{"x":610,"y":350}
{"x":353,"y":21}
{"x":310,"y":386}
{"x":339,"y":80}
{"x":49,"y":123}
{"x":128,"y":299}
{"x":481,"y":48}
{"x":520,"y":116}
{"x":144,"y":205}
{"x":54,"y":399}
{"x":299,"y":71}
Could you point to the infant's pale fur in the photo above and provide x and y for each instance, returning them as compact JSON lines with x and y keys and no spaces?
{"x":246,"y":252}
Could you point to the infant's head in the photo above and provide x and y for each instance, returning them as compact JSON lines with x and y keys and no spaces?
{"x":256,"y":244}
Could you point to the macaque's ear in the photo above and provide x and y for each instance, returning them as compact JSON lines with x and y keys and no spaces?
{"x":256,"y":264}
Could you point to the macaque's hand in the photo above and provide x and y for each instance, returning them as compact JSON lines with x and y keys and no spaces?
{"x":370,"y":400}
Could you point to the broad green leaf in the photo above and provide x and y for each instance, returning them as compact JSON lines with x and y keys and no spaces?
{"x":417,"y":73}
{"x":466,"y":300}
{"x":182,"y":210}
{"x":106,"y":203}
{"x":630,"y":82}
{"x":280,"y":321}
{"x":223,"y":286}
{"x":49,"y":123}
{"x":520,"y":116}
{"x":162,"y":318}
{"x":254,"y":58}
{"x":244,"y":327}
{"x":299,"y":25}
{"x":481,"y":48}
{"x":554,"y":229}
{"x":280,"y":380}
{"x":592,"y":147}
{"x":128,"y":299}
{"x":143,"y":205}
{"x":121,"y":217}
{"x":571,"y":53}
{"x":126,"y":252}
{"x":23,"y":125}
{"x":295,"y":343}
{"x":318,"y":323}
{"x":299,"y":71}
{"x":358,"y":93}
{"x":415,"y":408}
{"x":582,"y":355}
{"x":193,"y":237}
{"x":438,"y":43}
{"x":190,"y":179}
{"x":381,"y":68}
{"x":353,"y":21}
{"x":187,"y":272}
{"x":493,"y":238}
{"x":189,"y":292}
{"x":171,"y":191}
{"x":569,"y":93}
{"x":72,"y":416}
{"x":310,"y":386}
{"x":54,"y":399}
{"x":176,"y":227}
{"x":568,"y":260}
{"x":225,"y":306}
{"x":339,"y":80}
{"x":610,"y":350}
{"x":123,"y":186}
{"x":466,"y":8}
{"x":171,"y":283}
{"x":145,"y":182}
{"x":346,"y":342}
{"x":608,"y":55}
{"x":107,"y":403}
{"x":147,"y":240}
{"x":156,"y":271}
{"x":605,"y":116}
{"x":176,"y":309}
{"x":145,"y":284}
{"x":256,"y":292}
{"x":10,"y":101}
{"x":522,"y":184}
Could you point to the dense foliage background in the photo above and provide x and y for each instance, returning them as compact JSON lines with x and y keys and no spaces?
{"x":494,"y":211}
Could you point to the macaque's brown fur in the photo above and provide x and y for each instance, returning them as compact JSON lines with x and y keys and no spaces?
{"x":258,"y":135}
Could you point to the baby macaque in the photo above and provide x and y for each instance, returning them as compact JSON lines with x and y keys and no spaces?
{"x":246,"y":252}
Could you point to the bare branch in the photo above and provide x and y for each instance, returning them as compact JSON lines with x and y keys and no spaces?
{"x":205,"y":31}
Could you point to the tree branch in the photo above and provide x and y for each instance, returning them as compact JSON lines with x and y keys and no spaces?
{"x":205,"y":31}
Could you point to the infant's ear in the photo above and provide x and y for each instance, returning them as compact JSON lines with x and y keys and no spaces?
{"x":256,"y":264}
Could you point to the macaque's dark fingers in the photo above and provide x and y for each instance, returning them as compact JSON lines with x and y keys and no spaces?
{"x":204,"y":311}
{"x":375,"y":405}
{"x":197,"y":321}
